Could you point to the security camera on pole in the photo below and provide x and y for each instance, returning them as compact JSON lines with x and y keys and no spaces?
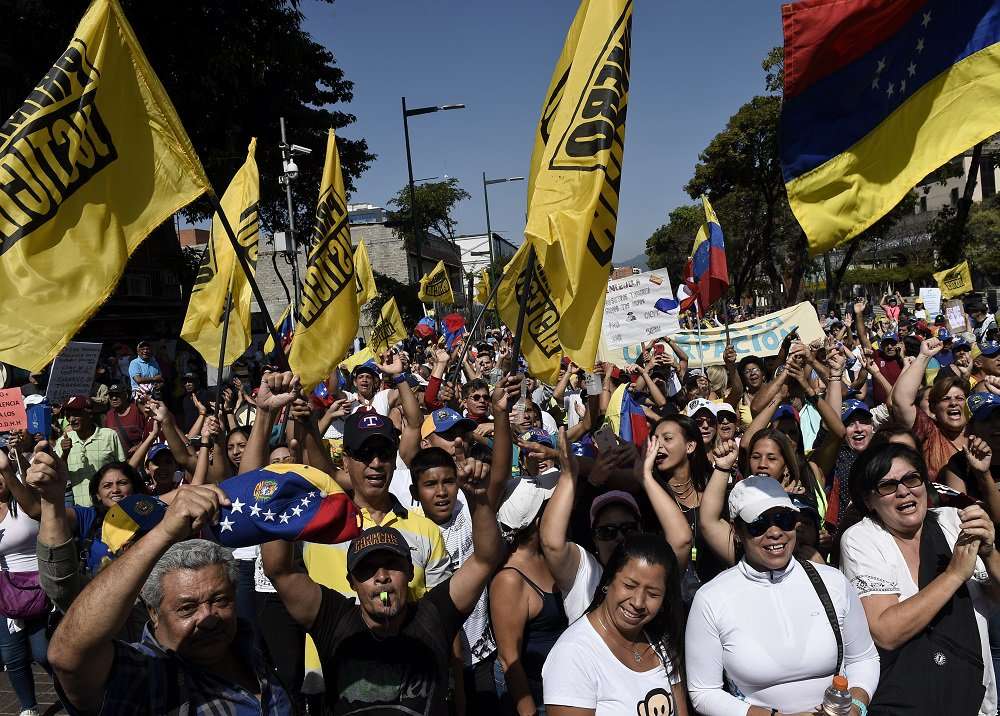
{"x":290,"y":171}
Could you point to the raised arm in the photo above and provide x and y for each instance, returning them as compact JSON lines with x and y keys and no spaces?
{"x":654,"y":391}
{"x":682,"y":357}
{"x":82,"y":649}
{"x":904,"y":393}
{"x":735,"y":383}
{"x":859,"y":320}
{"x":716,"y":529}
{"x":183,"y":456}
{"x":504,"y":394}
{"x":562,"y":556}
{"x":675,"y":526}
{"x":138,"y":457}
{"x":277,"y":390}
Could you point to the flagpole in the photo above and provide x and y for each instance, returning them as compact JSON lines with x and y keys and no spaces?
{"x":475,"y":323}
{"x":222,"y":351}
{"x":697,"y":315}
{"x":282,"y":358}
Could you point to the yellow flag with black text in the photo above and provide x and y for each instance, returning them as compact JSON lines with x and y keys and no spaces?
{"x":483,"y":287}
{"x":328,"y":311}
{"x":540,"y":342}
{"x":574,"y":182}
{"x":92,"y":161}
{"x":220,"y":272}
{"x":363,"y":274}
{"x":954,"y":281}
{"x":435,"y":287}
{"x":389,"y":329}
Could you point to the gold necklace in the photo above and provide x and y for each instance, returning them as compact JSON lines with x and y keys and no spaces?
{"x":636,"y":654}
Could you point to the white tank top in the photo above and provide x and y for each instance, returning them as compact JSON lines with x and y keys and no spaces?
{"x":18,"y":537}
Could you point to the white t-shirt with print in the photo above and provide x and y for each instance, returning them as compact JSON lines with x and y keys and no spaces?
{"x":581,"y":672}
{"x":578,"y":597}
{"x":872,"y":562}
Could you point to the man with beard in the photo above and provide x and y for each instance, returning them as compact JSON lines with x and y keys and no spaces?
{"x":86,"y":448}
{"x":888,"y":357}
{"x":388,"y":652}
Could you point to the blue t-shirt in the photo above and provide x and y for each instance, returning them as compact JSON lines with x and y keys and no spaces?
{"x":142,"y":369}
{"x":96,"y":553}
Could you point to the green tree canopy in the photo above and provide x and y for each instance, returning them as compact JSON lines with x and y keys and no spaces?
{"x":434,"y":202}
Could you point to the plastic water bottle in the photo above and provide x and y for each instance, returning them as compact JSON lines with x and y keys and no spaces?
{"x":837,"y":699}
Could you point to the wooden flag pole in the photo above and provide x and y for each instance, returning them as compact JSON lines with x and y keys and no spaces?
{"x":282,"y":358}
{"x":222,"y":352}
{"x":475,"y":325}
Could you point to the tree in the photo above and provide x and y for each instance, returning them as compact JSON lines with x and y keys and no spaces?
{"x":434,"y":202}
{"x":670,"y":245}
{"x":982,"y":230}
{"x":405,"y":294}
{"x":231,"y":72}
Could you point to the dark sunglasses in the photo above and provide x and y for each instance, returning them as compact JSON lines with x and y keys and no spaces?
{"x":785,"y":520}
{"x":889,"y":487}
{"x":367,"y":453}
{"x":606,"y":533}
{"x":479,"y":397}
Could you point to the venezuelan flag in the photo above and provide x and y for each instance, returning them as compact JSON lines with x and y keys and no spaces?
{"x":627,"y":417}
{"x":133,"y":517}
{"x":289,"y":502}
{"x":706,"y":273}
{"x":877,"y":95}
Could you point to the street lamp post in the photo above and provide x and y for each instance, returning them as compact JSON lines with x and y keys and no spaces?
{"x":489,"y":230}
{"x":288,"y":174}
{"x":407,"y":113}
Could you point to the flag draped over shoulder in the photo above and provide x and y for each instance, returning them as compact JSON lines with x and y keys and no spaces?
{"x":877,"y":95}
{"x":954,"y":281}
{"x":220,"y":272}
{"x":573,"y":192}
{"x":328,"y":314}
{"x":92,"y":161}
{"x":363,"y":274}
{"x":483,"y":287}
{"x":435,"y":287}
{"x":389,"y":329}
{"x":706,"y":274}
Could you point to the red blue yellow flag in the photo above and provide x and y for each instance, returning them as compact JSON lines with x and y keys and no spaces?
{"x":706,"y":274}
{"x":877,"y":95}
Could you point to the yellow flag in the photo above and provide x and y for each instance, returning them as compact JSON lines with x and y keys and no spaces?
{"x":91,"y":163}
{"x":576,"y":171}
{"x":353,"y":361}
{"x":483,"y":287}
{"x":220,"y":272}
{"x":328,"y":313}
{"x":282,"y":329}
{"x":435,"y":287}
{"x":390,"y":329}
{"x":363,"y":273}
{"x":540,"y":342}
{"x":954,"y":281}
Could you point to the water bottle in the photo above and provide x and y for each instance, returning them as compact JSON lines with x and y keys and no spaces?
{"x":837,"y":699}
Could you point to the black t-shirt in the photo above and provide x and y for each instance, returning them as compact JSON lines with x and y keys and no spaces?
{"x":402,"y":674}
{"x":960,"y":467}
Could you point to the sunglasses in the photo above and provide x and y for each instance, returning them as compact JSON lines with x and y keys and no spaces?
{"x":705,"y":420}
{"x":367,"y":453}
{"x":608,"y":532}
{"x":889,"y":487}
{"x":479,"y":397}
{"x":785,"y":520}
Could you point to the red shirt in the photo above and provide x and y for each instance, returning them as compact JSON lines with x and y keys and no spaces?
{"x":890,"y":368}
{"x":132,"y":427}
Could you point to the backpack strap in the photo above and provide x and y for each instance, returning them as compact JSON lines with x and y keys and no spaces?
{"x":824,"y":597}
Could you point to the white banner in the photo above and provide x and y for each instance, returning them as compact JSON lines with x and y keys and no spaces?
{"x":932,"y":302}
{"x":760,"y":337}
{"x":72,"y":371}
{"x":630,"y":312}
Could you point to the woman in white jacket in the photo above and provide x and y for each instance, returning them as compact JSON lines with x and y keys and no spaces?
{"x":760,"y":638}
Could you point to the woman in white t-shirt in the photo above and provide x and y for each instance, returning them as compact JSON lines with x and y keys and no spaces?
{"x":624,"y":657}
{"x":927,"y":581}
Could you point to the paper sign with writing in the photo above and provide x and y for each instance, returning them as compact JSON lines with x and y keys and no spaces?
{"x":12,"y":413}
{"x":931,"y":296}
{"x":73,"y":371}
{"x":638,"y":309}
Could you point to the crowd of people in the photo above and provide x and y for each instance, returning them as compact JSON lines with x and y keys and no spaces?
{"x":650,"y":539}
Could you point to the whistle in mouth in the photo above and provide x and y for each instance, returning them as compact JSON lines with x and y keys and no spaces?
{"x":384,"y":596}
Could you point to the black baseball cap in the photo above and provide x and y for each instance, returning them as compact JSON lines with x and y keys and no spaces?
{"x":363,"y":425}
{"x":377,"y":539}
{"x":118,"y":389}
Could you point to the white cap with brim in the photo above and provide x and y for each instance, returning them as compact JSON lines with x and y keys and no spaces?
{"x":756,"y":495}
{"x":522,"y":505}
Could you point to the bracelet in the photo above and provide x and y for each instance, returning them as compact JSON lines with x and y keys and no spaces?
{"x":836,"y":377}
{"x":401,"y":378}
{"x":862,"y":709}
{"x":727,"y":470}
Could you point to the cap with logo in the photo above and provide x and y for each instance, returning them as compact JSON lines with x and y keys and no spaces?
{"x":851,"y":407}
{"x":989,"y":348}
{"x":117,"y":389}
{"x":537,"y":435}
{"x":756,"y":495}
{"x":443,"y":420}
{"x":77,"y":402}
{"x":982,"y":404}
{"x":890,"y":338}
{"x":944,"y":334}
{"x":960,"y":344}
{"x":699,"y":404}
{"x":785,"y":410}
{"x":363,"y":425}
{"x":377,"y":539}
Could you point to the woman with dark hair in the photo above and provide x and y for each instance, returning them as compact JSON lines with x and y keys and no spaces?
{"x":768,"y":635}
{"x":927,"y":580}
{"x":626,"y":655}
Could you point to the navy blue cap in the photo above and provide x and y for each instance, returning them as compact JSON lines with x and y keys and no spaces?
{"x":982,"y":405}
{"x":944,"y":334}
{"x":785,"y":410}
{"x":960,"y":344}
{"x":891,"y":337}
{"x":989,"y":348}
{"x":853,"y":406}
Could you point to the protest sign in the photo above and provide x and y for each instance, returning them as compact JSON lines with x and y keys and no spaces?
{"x":955,"y":313}
{"x":631,"y":314}
{"x":931,"y":296}
{"x":12,"y":413}
{"x":73,"y":371}
{"x":760,"y":336}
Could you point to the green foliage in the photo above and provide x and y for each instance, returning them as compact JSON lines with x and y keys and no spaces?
{"x":888,"y":274}
{"x":983,"y":229}
{"x":434,"y":203}
{"x":670,"y":245}
{"x":406,"y":299}
{"x":774,"y":70}
{"x":231,"y":70}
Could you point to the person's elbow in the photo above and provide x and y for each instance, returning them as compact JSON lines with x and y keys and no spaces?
{"x":885,"y":636}
{"x":682,"y":544}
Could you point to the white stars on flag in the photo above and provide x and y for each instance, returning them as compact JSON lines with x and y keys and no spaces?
{"x":226,"y":525}
{"x":269,"y":516}
{"x":254,"y":510}
{"x":284,"y":518}
{"x":926,"y":19}
{"x":305,"y":502}
{"x":237,"y":505}
{"x":912,"y":69}
{"x":920,"y":45}
{"x":296,"y":511}
{"x":890,"y":89}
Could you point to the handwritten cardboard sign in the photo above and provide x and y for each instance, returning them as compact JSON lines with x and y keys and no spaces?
{"x":72,"y":371}
{"x":12,"y":413}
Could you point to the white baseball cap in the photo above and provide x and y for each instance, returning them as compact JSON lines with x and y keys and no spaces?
{"x":522,"y":505}
{"x":701,"y":404}
{"x":756,"y":495}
